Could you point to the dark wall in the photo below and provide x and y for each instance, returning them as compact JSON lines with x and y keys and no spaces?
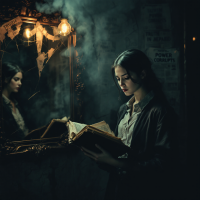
{"x":193,"y":96}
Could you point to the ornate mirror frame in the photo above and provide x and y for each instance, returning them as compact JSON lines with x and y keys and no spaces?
{"x":27,"y":13}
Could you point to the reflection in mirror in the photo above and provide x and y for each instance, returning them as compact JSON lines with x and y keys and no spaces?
{"x":42,"y":83}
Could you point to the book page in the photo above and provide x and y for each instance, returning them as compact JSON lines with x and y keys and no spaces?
{"x":79,"y":126}
{"x":103,"y":126}
{"x":74,"y":128}
{"x":65,"y":118}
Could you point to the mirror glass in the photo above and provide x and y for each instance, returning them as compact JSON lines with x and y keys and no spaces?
{"x":44,"y":59}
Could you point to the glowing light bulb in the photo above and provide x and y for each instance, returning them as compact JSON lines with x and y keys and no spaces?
{"x":194,"y":38}
{"x":28,"y":33}
{"x":64,"y":27}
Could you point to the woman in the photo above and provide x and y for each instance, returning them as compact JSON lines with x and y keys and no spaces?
{"x":13,"y":122}
{"x":147,"y":124}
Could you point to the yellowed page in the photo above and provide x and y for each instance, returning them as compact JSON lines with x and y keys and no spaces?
{"x":103,"y":126}
{"x":74,"y":128}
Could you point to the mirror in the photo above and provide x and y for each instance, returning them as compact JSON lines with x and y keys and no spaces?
{"x":46,"y":94}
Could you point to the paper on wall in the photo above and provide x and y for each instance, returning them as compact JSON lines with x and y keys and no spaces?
{"x":40,"y":61}
{"x":157,"y":38}
{"x":50,"y":52}
{"x":12,"y":33}
{"x":12,"y":22}
{"x":165,"y":64}
{"x":156,"y":17}
{"x":2,"y":33}
{"x":7,"y":27}
{"x":40,"y":32}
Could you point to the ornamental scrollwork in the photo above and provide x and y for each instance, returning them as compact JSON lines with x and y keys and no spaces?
{"x":38,"y":149}
{"x":27,"y":9}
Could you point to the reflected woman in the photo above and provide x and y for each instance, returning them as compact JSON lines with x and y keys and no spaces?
{"x":147,"y":124}
{"x":13,"y":121}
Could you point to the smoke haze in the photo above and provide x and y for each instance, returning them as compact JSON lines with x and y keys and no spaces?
{"x":104,"y":29}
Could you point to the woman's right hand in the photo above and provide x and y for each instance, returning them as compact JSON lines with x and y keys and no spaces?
{"x":103,"y":158}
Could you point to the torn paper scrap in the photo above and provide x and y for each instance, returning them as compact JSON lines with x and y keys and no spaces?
{"x":12,"y":22}
{"x":50,"y":53}
{"x":6,"y":27}
{"x":2,"y":33}
{"x":12,"y":33}
{"x":40,"y":61}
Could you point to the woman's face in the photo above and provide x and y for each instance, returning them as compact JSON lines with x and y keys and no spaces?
{"x":15,"y":83}
{"x":126,"y":84}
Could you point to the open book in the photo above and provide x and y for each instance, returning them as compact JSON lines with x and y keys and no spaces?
{"x":99,"y":133}
{"x":54,"y":129}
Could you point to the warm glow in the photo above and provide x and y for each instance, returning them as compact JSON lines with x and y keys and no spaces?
{"x":28,"y":33}
{"x":193,"y":38}
{"x":64,"y":27}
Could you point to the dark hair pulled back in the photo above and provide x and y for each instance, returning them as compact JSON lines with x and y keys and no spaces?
{"x":136,"y":61}
{"x":8,"y":71}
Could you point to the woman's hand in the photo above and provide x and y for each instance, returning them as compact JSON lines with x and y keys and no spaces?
{"x":103,"y":157}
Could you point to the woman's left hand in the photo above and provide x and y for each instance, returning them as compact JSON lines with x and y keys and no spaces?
{"x":103,"y":157}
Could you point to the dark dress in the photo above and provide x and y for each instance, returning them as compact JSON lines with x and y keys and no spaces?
{"x":11,"y":129}
{"x":153,"y":157}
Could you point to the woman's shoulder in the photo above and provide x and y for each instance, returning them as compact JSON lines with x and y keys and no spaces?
{"x":5,"y":104}
{"x":161,"y":107}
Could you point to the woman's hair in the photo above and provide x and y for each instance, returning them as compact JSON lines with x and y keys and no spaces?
{"x":8,"y":71}
{"x":136,"y":61}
